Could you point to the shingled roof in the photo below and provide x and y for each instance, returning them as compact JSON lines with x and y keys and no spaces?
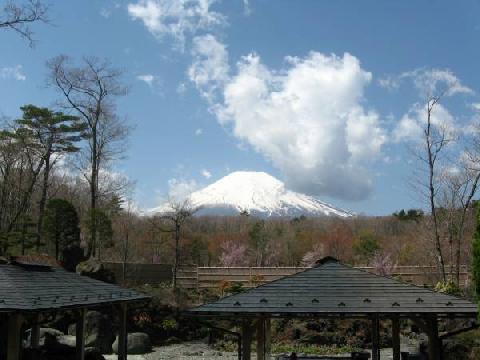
{"x":33,"y":287}
{"x":333,"y":288}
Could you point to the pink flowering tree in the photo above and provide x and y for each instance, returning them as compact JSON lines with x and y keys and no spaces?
{"x":383,"y":264}
{"x":233,"y":253}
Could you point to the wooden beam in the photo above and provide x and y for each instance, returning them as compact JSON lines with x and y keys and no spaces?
{"x":14,"y":336}
{"x":122,"y":332}
{"x":80,"y":334}
{"x":375,"y":339}
{"x":247,"y":330}
{"x":396,"y":338}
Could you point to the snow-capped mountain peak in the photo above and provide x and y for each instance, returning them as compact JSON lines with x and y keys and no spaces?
{"x":257,"y":193}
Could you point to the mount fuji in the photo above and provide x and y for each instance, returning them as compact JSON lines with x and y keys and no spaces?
{"x":256,"y":193}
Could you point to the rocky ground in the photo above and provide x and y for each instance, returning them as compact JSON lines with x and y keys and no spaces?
{"x":198,"y":351}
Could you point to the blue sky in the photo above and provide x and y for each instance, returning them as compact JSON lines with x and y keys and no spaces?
{"x":324,"y":95}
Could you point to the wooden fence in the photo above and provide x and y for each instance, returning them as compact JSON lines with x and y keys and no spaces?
{"x":138,"y":273}
{"x":215,"y":277}
{"x":193,"y":277}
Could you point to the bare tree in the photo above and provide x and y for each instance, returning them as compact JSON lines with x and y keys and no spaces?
{"x":90,"y":91}
{"x":461,"y":184}
{"x":19,"y":17}
{"x":172,"y":220}
{"x":435,"y":139}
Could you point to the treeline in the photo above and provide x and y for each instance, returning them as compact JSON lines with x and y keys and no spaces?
{"x":382,"y":242}
{"x":58,"y":193}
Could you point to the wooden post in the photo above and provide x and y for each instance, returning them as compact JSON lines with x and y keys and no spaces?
{"x":122,"y":333}
{"x":268,"y":338}
{"x":247,"y":329}
{"x":375,"y":339}
{"x":35,"y":332}
{"x":239,"y":347}
{"x":261,"y":339}
{"x":14,"y":337}
{"x":396,"y":338}
{"x":80,"y":334}
{"x":35,"y":336}
{"x":434,"y":342}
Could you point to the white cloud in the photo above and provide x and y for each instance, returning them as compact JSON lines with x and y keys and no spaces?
{"x":147,"y":78}
{"x":209,"y":71}
{"x":429,"y":82}
{"x":476,"y":106}
{"x":306,"y":118}
{"x":176,"y":18}
{"x":206,"y":174}
{"x":179,"y":190}
{"x":198,"y":132}
{"x":247,"y":10}
{"x":181,"y":88}
{"x":437,"y":81}
{"x":14,"y":72}
{"x":411,"y":125}
{"x":389,"y":82}
{"x":106,"y":13}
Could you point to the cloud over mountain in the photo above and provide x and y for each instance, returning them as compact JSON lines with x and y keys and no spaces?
{"x":307,"y":118}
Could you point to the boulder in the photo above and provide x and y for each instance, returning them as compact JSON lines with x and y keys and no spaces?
{"x":47,"y":335}
{"x":95,"y":269}
{"x":93,"y":354}
{"x":137,"y":343}
{"x":68,"y":340}
{"x":98,"y":331}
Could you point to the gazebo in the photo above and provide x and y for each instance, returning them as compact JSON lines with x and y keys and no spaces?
{"x":331,"y":289}
{"x":30,"y":290}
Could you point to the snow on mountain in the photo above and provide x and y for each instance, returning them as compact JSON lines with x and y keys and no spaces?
{"x":257,"y":193}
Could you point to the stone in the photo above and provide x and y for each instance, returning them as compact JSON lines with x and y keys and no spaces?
{"x":46,"y":335}
{"x":95,"y":269}
{"x":93,"y":354}
{"x":137,"y":343}
{"x":98,"y":331}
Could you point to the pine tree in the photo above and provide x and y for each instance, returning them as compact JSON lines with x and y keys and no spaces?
{"x":60,"y":226}
{"x":51,"y":134}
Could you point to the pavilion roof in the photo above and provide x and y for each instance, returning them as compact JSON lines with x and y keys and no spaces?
{"x":34,"y":287}
{"x":333,"y":288}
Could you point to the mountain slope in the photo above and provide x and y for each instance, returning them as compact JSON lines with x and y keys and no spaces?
{"x":258,"y":193}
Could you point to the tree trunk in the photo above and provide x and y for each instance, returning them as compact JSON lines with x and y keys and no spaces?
{"x":431,"y":188}
{"x":93,"y":195}
{"x":177,"y":252}
{"x":43,"y":200}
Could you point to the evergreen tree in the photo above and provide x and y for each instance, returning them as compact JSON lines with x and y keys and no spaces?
{"x":61,"y":226}
{"x":365,"y":246}
{"x":51,"y":134}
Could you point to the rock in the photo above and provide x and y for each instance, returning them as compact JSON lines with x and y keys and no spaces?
{"x":98,"y":331}
{"x":95,"y":269}
{"x":47,"y":335}
{"x":137,"y":343}
{"x":68,"y":340}
{"x":93,"y":354}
